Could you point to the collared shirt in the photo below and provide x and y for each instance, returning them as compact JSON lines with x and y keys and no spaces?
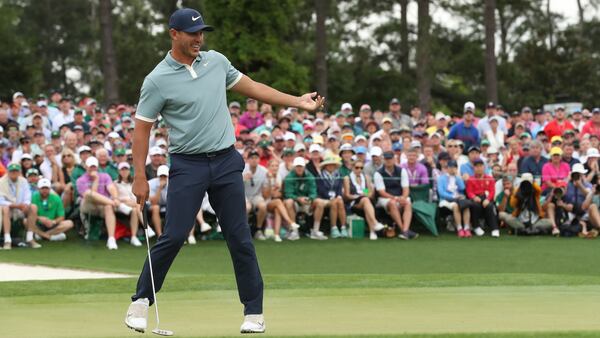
{"x":19,"y":190}
{"x":84,"y":183}
{"x":192,"y":101}
{"x":251,"y":122}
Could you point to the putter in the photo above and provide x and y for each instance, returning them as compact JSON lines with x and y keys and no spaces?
{"x":157,"y":330}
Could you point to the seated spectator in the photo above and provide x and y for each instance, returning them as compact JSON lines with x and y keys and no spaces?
{"x":525,"y":214}
{"x":157,"y":158}
{"x":158,"y":197}
{"x":480,"y":190}
{"x":314,"y":163}
{"x":50,"y":213}
{"x":100,"y":198}
{"x":301,"y":196}
{"x":554,"y":171}
{"x":591,"y":164}
{"x":15,"y":201}
{"x":256,"y":187}
{"x":591,"y":204}
{"x":416,"y":171}
{"x":358,"y":192}
{"x":33,"y":176}
{"x":468,"y":169}
{"x":375,"y":164}
{"x":105,"y":165}
{"x":329,"y":189}
{"x":124,"y":189}
{"x":276,"y":205}
{"x":346,"y":153}
{"x":451,"y":192}
{"x":533,"y":163}
{"x":393,"y":186}
{"x":576,"y":193}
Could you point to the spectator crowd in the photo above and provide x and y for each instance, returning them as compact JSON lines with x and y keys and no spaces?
{"x":67,"y":164}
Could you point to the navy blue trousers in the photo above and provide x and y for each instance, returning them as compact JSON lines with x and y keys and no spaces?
{"x":189,"y":178}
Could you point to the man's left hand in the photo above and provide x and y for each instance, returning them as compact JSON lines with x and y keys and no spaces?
{"x":306,"y":101}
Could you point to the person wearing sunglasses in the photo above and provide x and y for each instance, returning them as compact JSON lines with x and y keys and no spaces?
{"x":329,"y":188}
{"x":358,"y":192}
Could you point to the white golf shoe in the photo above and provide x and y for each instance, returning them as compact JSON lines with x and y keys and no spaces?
{"x":253,"y":324}
{"x":137,"y":315}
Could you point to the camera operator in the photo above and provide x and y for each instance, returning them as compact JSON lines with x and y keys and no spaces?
{"x":527,"y":216}
{"x":590,"y":205}
{"x":557,"y":208}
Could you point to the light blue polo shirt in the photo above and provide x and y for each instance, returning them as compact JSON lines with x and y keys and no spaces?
{"x":192,"y":101}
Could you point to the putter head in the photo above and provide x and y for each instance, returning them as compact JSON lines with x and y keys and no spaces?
{"x":162,"y":332}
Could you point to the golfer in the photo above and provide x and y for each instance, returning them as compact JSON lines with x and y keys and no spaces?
{"x":187,"y":88}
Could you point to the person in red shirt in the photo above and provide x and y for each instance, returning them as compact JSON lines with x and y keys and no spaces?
{"x":560,"y":123}
{"x":592,"y":127}
{"x":481,"y":191}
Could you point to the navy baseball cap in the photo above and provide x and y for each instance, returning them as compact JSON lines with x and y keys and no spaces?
{"x":188,"y":20}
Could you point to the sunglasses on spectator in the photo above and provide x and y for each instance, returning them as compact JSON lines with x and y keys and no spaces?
{"x":67,"y":155}
{"x":358,"y":168}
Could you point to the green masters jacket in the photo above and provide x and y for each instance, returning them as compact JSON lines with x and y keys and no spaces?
{"x":300,"y":186}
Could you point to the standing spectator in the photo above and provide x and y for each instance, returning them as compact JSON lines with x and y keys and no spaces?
{"x":592,"y":127}
{"x":301,"y":195}
{"x":251,"y":117}
{"x":395,"y":113}
{"x":157,"y":158}
{"x":329,"y":189}
{"x":451,"y":191}
{"x":100,"y":198}
{"x":393,"y":187}
{"x":465,"y":131}
{"x":256,"y":187}
{"x":78,"y":121}
{"x":494,"y":134}
{"x":481,"y":192}
{"x":485,"y":124}
{"x":50,"y":213}
{"x":64,"y":117}
{"x":560,"y":123}
{"x":15,"y":201}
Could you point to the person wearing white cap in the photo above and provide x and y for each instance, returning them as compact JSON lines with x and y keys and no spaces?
{"x":483,"y":126}
{"x":100,"y":198}
{"x":51,"y":214}
{"x":157,"y":158}
{"x":590,"y":163}
{"x":300,"y":193}
{"x":123,"y":184}
{"x":65,"y":116}
{"x":465,"y":130}
{"x":376,"y":162}
{"x":159,"y":186}
{"x":494,"y":133}
{"x":15,"y":202}
{"x":315,"y":157}
{"x":441,"y":123}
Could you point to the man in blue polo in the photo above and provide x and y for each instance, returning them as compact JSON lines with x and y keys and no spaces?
{"x":188,"y":89}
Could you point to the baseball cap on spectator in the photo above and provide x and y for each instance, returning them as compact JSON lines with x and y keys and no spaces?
{"x":452,"y":164}
{"x":91,"y":162}
{"x":44,"y":183}
{"x":331,"y":137}
{"x":348,"y":137}
{"x":346,"y":106}
{"x":492,"y":150}
{"x":331,"y":159}
{"x":556,"y":138}
{"x":527,"y":177}
{"x":397,"y":146}
{"x":360,"y":150}
{"x":346,"y":147}
{"x":372,"y":122}
{"x":299,"y":147}
{"x":288,"y":152}
{"x":376,"y":151}
{"x":444,"y":156}
{"x":289,"y":136}
{"x":438,"y":135}
{"x":376,"y":137}
{"x":576,"y":111}
{"x":394,"y":101}
{"x":314,"y":147}
{"x":265,"y":132}
{"x":121,"y":107}
{"x":596,"y":111}
{"x":559,"y":107}
{"x":188,"y":20}
{"x":120,"y":152}
{"x":32,"y":171}
{"x":477,"y":161}
{"x":318,"y":139}
{"x":155,"y":151}
{"x":569,"y":132}
{"x":388,"y":155}
{"x":55,"y":134}
{"x":441,"y":116}
{"x":592,"y":153}
{"x":163,"y":170}
{"x":415,"y":144}
{"x":319,"y":121}
{"x":42,"y":104}
{"x":526,"y":146}
{"x":299,"y":162}
{"x":485,"y":142}
{"x":365,"y":107}
{"x":263,"y":144}
{"x":114,"y":134}
{"x":395,"y":131}
{"x":161,"y":142}
{"x":555,"y":151}
{"x":124,"y":165}
{"x":469,"y":107}
{"x":253,"y":152}
{"x":26,"y":156}
{"x":360,"y":138}
{"x":84,"y":149}
{"x":234,"y":104}
{"x":14,"y":167}
{"x":77,"y":127}
{"x":578,"y":168}
{"x":490,"y":105}
{"x":524,"y":134}
{"x":386,"y":119}
{"x":473,"y":148}
{"x":417,"y":133}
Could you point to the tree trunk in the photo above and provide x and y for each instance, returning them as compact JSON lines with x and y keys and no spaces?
{"x":551,"y":26}
{"x":503,"y":35}
{"x":321,"y":7}
{"x":404,"y":49}
{"x":491,"y":83}
{"x":423,"y":57}
{"x":109,"y":59}
{"x":581,"y":19}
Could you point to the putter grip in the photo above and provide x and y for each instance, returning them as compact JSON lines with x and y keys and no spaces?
{"x":144,"y":217}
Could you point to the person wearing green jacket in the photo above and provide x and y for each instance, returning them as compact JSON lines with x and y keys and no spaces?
{"x":300,"y":193}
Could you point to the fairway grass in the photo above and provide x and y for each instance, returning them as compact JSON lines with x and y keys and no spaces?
{"x":433,"y":287}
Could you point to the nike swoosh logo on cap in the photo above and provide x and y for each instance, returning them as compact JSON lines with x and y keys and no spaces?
{"x":196,"y":18}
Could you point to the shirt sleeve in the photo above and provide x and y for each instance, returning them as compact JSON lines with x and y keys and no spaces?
{"x":404,"y":181}
{"x":233,"y":75}
{"x":151,"y":102}
{"x":60,"y":210}
{"x":378,"y":181}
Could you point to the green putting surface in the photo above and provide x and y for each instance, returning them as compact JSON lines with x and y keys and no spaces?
{"x":432,"y":287}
